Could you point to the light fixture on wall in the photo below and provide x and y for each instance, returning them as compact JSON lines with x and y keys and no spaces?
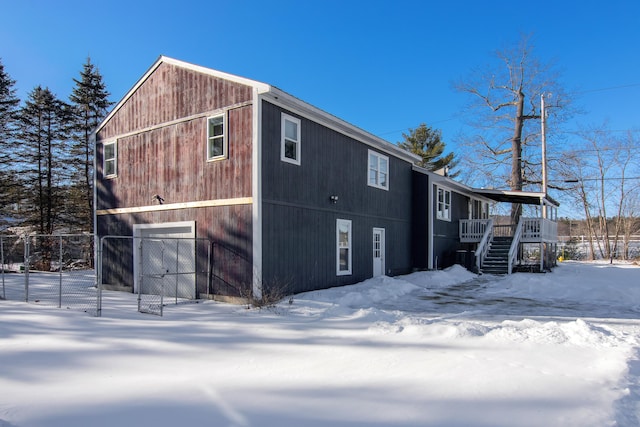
{"x":333,"y":198}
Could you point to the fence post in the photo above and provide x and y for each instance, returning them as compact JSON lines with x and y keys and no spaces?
{"x":141,"y":273}
{"x":26,"y":268}
{"x":162,"y":299}
{"x":2,"y":265}
{"x":178,"y":268}
{"x":60,"y":274}
{"x":98,"y":264}
{"x":209,"y":262}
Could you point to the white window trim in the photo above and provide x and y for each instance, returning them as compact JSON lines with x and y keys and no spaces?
{"x":440,"y":214}
{"x":378,"y":157}
{"x":349,"y":247}
{"x":225,"y":145}
{"x":285,"y":118}
{"x":115,"y":159}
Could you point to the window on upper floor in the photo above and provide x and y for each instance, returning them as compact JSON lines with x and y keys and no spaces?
{"x":290,"y":140}
{"x":110,"y":159}
{"x":216,"y":138}
{"x":378,"y":170}
{"x":443,"y":211}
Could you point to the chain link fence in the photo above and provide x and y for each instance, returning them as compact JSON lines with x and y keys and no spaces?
{"x":58,"y":270}
{"x":52,"y":270}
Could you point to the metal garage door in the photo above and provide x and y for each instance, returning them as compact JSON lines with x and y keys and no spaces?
{"x":165,"y":259}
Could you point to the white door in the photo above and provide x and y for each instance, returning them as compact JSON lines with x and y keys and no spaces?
{"x":165,"y":259}
{"x":378,"y":252}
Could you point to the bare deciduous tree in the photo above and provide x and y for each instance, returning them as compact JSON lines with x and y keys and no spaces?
{"x":505,"y":109}
{"x":605,"y":169}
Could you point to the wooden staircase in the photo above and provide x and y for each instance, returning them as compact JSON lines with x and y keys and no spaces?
{"x":497,"y":259}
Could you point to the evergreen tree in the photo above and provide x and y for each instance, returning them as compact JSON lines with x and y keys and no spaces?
{"x":8,"y":109}
{"x":427,"y":143}
{"x":89,"y":101}
{"x":43,"y":157}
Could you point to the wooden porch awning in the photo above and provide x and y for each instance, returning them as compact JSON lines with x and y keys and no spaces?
{"x":522,"y":197}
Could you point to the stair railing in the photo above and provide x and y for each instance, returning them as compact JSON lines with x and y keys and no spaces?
{"x":484,"y":245}
{"x":513,"y":250}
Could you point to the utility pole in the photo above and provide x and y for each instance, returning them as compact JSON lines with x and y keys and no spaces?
{"x":543,"y":119}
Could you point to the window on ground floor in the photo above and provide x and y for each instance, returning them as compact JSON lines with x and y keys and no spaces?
{"x":343,"y":242}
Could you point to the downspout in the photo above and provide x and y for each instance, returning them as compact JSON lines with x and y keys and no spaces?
{"x":543,"y":215}
{"x":429,"y":223}
{"x":256,"y":190}
{"x":96,"y":251}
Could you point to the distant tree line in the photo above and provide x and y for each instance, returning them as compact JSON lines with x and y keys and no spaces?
{"x":46,"y":156}
{"x":601,"y":175}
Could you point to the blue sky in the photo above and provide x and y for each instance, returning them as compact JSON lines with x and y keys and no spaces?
{"x":383,"y":66}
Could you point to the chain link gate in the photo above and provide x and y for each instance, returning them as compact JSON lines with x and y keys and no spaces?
{"x":162,"y":270}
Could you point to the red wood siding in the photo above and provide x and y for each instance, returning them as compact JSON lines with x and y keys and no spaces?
{"x":161,"y":133}
{"x":171,"y":161}
{"x":172,"y":93}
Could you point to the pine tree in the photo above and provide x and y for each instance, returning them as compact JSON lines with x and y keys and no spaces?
{"x":43,"y":157}
{"x":89,"y":101}
{"x":8,"y":109}
{"x":427,"y":143}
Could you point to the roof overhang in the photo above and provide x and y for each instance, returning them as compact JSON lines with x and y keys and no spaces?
{"x":521,"y":197}
{"x":449,"y":183}
{"x":296,"y":105}
{"x":261,"y":87}
{"x":280,"y":97}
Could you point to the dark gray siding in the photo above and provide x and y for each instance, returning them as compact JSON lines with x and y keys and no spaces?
{"x":299,"y":220}
{"x":420,"y":221}
{"x":446,"y":239}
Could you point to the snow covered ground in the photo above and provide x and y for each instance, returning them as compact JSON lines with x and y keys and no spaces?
{"x":443,"y":348}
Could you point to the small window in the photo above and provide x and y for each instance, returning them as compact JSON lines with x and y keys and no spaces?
{"x":444,"y":204}
{"x":290,"y":142}
{"x":110,"y":159}
{"x":378,"y":170}
{"x":343,"y":241}
{"x":216,"y":141}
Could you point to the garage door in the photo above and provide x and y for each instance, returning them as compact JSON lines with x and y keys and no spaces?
{"x":165,"y":259}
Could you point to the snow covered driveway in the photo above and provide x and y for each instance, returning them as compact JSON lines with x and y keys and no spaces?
{"x":443,"y":348}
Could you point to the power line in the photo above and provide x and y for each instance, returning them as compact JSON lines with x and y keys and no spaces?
{"x":570,"y":93}
{"x":577,"y":181}
{"x":605,"y":88}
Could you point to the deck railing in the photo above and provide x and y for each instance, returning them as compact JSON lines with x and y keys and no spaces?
{"x":472,"y":230}
{"x":513,"y":250}
{"x":485,"y":243}
{"x":534,"y":230}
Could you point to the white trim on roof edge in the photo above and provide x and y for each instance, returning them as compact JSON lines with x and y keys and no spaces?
{"x":450,"y":184}
{"x":279,"y":97}
{"x":261,"y":87}
{"x":285,"y":100}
